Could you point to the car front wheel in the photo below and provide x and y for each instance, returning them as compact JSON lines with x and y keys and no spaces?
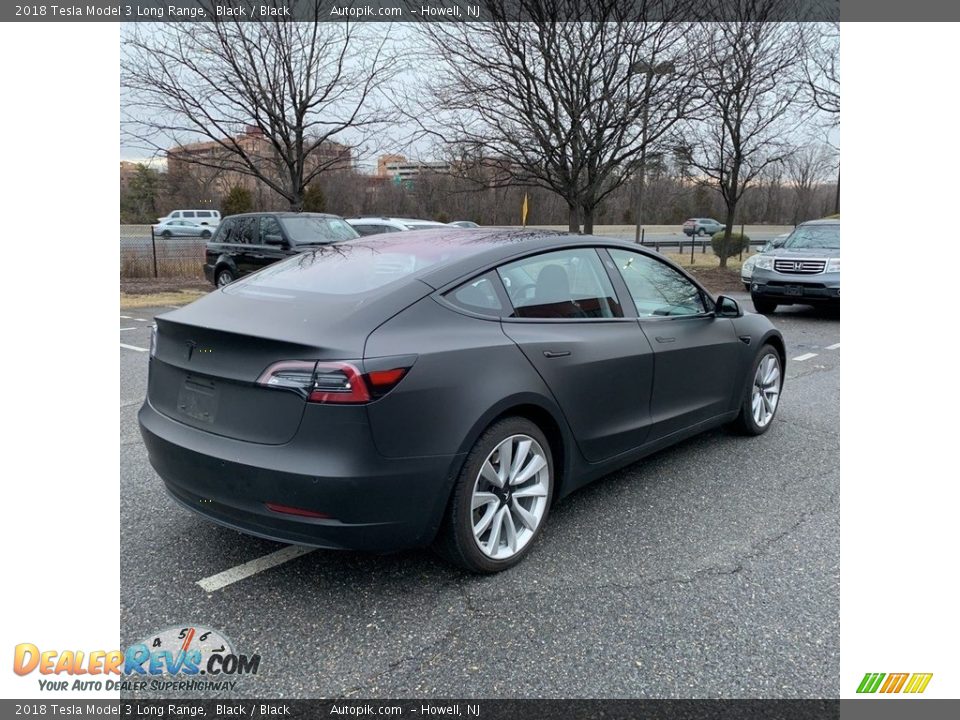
{"x":224,"y":277}
{"x":763,"y":306}
{"x":762,"y":396}
{"x":501,"y":498}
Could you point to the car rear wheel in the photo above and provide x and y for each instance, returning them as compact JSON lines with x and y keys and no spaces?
{"x":165,"y":233}
{"x":762,"y":396}
{"x":501,"y":498}
{"x":205,"y":234}
{"x":702,"y":231}
{"x":224,"y":277}
{"x":763,"y":306}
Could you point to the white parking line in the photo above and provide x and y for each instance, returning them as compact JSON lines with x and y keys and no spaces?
{"x":241,"y":572}
{"x":835,"y":346}
{"x":134,"y":347}
{"x":805,"y":356}
{"x":122,"y":329}
{"x":126,"y":317}
{"x":141,"y":319}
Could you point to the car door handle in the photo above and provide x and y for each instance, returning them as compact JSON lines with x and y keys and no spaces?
{"x":661,"y":339}
{"x":555,"y":353}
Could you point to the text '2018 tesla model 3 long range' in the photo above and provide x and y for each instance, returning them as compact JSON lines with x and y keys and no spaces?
{"x":442,"y":388}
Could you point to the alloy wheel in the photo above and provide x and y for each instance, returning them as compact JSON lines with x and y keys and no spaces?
{"x":510,"y":497}
{"x":766,"y":390}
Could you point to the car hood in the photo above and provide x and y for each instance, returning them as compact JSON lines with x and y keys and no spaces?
{"x":801,"y":253}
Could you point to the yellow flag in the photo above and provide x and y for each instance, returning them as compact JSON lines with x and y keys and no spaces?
{"x":523,"y":210}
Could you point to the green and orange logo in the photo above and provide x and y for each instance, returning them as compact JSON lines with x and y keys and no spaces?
{"x":894,"y":682}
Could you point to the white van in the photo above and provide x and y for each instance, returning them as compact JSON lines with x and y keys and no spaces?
{"x":200,"y":217}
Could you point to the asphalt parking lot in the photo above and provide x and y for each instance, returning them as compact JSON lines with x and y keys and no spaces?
{"x":710,"y":569}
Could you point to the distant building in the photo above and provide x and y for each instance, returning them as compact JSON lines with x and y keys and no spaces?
{"x":210,"y":166}
{"x":398,"y":168}
{"x":128,"y":170}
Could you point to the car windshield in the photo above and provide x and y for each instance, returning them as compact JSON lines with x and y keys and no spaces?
{"x":352,"y":268}
{"x":814,"y":236}
{"x":422,"y":226}
{"x":308,"y":230}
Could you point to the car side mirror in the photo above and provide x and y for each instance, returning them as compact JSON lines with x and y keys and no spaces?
{"x":727,"y":307}
{"x":274,"y":240}
{"x":777,"y":242}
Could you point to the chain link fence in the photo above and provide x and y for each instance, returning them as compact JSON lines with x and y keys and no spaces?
{"x":144,"y":254}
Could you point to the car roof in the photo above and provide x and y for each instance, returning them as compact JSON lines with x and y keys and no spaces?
{"x":823,"y":221}
{"x":480,"y":249}
{"x":382,"y":219}
{"x":285,"y":213}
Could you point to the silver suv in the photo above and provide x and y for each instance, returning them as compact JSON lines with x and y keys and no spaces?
{"x":804,"y":270}
{"x":701,"y":226}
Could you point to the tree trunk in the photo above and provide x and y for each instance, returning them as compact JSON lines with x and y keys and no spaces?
{"x":296,"y":202}
{"x":728,"y":229}
{"x":588,"y":220}
{"x":574,"y":225}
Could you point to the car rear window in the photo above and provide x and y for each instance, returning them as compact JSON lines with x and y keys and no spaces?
{"x":353,"y":268}
{"x":309,"y":230}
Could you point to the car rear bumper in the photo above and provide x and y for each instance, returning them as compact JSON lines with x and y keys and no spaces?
{"x":784,"y":288}
{"x":370,"y":502}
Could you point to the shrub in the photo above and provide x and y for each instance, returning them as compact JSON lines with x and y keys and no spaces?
{"x":314,"y":200}
{"x":733,"y":247}
{"x":238,"y":200}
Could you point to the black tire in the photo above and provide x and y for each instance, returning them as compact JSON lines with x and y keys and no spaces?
{"x":745,"y":424}
{"x":165,"y":233}
{"x":702,"y":231}
{"x":455,"y":541}
{"x":224,"y":277}
{"x":205,"y":234}
{"x":763,"y":305}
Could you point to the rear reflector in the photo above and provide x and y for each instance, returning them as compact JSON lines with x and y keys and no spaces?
{"x":287,"y":510}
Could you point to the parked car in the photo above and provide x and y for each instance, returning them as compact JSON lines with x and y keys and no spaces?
{"x":182,"y":228}
{"x":442,"y":387}
{"x":464,"y":224}
{"x":746,"y":269}
{"x":701,"y":226}
{"x":378,"y":225}
{"x":249,"y":242}
{"x":200,"y":217}
{"x":804,"y":270}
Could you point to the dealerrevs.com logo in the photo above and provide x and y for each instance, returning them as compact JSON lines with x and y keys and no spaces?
{"x":171,"y":659}
{"x":910,"y":683}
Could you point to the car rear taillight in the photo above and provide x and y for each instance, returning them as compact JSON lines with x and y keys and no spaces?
{"x":331,"y":382}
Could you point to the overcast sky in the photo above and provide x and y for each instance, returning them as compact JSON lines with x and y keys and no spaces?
{"x":407,"y":33}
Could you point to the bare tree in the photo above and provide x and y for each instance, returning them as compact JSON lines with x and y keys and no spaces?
{"x":822,"y":77}
{"x":749,"y":70}
{"x":271,"y":98}
{"x":807,"y":168}
{"x":567,"y":106}
{"x":822,"y":68}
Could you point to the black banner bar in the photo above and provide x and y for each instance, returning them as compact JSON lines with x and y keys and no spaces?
{"x":418,"y":10}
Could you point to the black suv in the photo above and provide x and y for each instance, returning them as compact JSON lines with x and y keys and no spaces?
{"x":251,"y":241}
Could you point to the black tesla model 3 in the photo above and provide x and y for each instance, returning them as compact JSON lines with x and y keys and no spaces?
{"x":445,"y":387}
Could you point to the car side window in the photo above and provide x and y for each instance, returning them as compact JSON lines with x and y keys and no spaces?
{"x":189,"y":214}
{"x":227,"y":231}
{"x":478,"y":295}
{"x":203,"y":213}
{"x":656,"y":288}
{"x":248,"y":231}
{"x":369,"y":229}
{"x":564,"y":284}
{"x":270,"y":228}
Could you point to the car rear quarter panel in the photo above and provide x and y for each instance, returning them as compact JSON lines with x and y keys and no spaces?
{"x":467,"y":373}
